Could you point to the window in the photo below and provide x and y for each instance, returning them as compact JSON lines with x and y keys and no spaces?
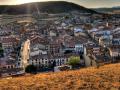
{"x":8,"y":67}
{"x":11,"y":66}
{"x":45,"y":62}
{"x":18,"y":63}
{"x":42,"y":61}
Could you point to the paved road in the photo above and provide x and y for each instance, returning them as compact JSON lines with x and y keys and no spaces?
{"x":25,"y":52}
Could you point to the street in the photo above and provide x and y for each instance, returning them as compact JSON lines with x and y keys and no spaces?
{"x":25,"y":52}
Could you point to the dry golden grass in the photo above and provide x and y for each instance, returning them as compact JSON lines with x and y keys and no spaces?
{"x":105,"y":78}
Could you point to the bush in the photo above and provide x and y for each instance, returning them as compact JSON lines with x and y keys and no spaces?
{"x":74,"y":61}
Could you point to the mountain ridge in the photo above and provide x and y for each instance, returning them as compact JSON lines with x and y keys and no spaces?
{"x":49,"y":7}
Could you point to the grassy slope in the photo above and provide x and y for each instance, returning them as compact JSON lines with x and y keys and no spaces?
{"x":105,"y":78}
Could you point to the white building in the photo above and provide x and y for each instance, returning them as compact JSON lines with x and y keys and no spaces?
{"x":44,"y":60}
{"x":79,"y":48}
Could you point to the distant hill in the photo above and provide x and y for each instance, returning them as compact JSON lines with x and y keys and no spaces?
{"x":104,"y":78}
{"x":49,"y":7}
{"x":107,"y":10}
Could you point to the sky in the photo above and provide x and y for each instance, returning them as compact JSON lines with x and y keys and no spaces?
{"x":85,"y":3}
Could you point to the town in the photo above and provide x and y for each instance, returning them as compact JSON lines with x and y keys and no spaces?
{"x":47,"y":40}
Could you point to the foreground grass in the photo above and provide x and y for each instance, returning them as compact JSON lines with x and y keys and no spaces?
{"x":105,"y":78}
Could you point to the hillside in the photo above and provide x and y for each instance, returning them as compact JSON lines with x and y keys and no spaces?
{"x":105,"y":78}
{"x":49,"y":7}
{"x":107,"y":10}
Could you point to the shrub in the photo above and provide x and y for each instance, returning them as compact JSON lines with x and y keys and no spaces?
{"x":74,"y":61}
{"x":31,"y":69}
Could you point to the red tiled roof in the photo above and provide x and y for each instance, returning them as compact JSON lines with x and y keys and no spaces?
{"x":38,"y":39}
{"x":8,"y":40}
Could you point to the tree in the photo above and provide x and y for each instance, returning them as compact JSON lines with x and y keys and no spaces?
{"x":53,"y":65}
{"x":66,"y":17}
{"x":1,"y":52}
{"x":31,"y":69}
{"x":1,"y":45}
{"x":74,"y":61}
